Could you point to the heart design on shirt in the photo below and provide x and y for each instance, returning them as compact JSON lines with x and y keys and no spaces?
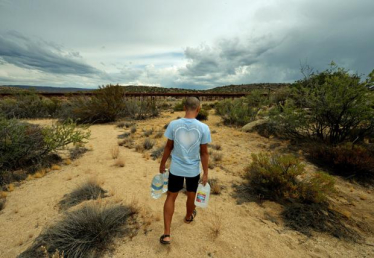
{"x":187,"y":138}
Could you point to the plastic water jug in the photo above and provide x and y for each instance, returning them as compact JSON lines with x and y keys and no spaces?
{"x":157,"y":186}
{"x":202,"y":195}
{"x":166,"y":181}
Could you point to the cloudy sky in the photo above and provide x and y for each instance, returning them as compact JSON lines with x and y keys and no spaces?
{"x":185,"y":44}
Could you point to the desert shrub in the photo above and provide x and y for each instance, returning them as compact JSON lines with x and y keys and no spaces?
{"x":347,"y":160}
{"x":280,"y":96}
{"x":217,"y":146}
{"x":215,"y":186}
{"x":124,"y":135}
{"x":159,"y":134}
{"x":86,"y":232}
{"x":267,"y":128}
{"x":120,"y":124}
{"x":114,"y":151}
{"x":90,"y":190}
{"x":180,"y":106}
{"x":125,"y":124}
{"x":276,"y":177}
{"x":107,"y":105}
{"x":24,"y":145}
{"x":141,"y":109}
{"x":120,"y":163}
{"x":133,"y":129}
{"x":139,"y":148}
{"x":166,"y":125}
{"x":2,"y":203}
{"x":127,"y":142}
{"x":242,"y":110}
{"x":216,"y":156}
{"x":203,"y":115}
{"x":147,"y":133}
{"x":77,"y":152}
{"x":148,"y":144}
{"x":30,"y":105}
{"x":331,"y":107}
{"x":157,"y":152}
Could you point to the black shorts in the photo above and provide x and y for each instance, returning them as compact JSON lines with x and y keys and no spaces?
{"x":175,"y":183}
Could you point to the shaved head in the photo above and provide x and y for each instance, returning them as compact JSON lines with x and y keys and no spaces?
{"x":192,"y":103}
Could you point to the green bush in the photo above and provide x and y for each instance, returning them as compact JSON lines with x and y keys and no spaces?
{"x":332,"y":106}
{"x":26,"y":145}
{"x":242,"y":110}
{"x":107,"y":105}
{"x":203,"y":115}
{"x":30,"y":105}
{"x":278,"y":177}
{"x":179,"y":106}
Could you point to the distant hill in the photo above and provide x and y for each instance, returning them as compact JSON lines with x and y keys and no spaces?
{"x":247,"y":87}
{"x":147,"y":89}
{"x":17,"y":88}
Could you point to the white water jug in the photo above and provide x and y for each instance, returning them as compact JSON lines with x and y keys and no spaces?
{"x":202,"y":195}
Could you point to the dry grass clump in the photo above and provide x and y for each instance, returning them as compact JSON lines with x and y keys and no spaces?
{"x":90,"y":190}
{"x":159,"y":134}
{"x":139,"y":148}
{"x":148,"y":144}
{"x":128,"y":143}
{"x":120,"y":163}
{"x":2,"y":203}
{"x":114,"y":152}
{"x":215,"y":186}
{"x":216,"y":156}
{"x":133,"y":129}
{"x":86,"y":232}
{"x":215,"y":226}
{"x":77,"y":152}
{"x":124,"y":135}
{"x":157,"y":152}
{"x":39,"y":174}
{"x":217,"y":146}
{"x":124,"y":124}
{"x":147,"y":133}
{"x":56,"y":167}
{"x":67,"y":161}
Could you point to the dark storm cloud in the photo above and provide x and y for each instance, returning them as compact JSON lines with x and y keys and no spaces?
{"x":314,"y":33}
{"x":24,"y":52}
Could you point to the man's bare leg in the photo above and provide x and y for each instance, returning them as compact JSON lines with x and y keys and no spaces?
{"x":190,"y":204}
{"x":168,"y":212}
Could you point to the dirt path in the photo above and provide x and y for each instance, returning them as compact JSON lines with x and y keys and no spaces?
{"x":245,"y":231}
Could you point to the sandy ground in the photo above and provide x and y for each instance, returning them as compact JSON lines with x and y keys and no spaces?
{"x":245,"y":230}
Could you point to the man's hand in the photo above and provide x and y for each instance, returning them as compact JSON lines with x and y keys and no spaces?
{"x":162,"y":168}
{"x":205,"y":179}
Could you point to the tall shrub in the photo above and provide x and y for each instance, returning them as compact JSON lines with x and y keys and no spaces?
{"x":331,"y":106}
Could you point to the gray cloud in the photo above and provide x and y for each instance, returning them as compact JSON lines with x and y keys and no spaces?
{"x":314,"y":33}
{"x":191,"y":44}
{"x":24,"y":52}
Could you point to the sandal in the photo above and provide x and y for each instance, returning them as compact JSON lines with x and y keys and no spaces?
{"x":192,"y":217}
{"x":162,"y":241}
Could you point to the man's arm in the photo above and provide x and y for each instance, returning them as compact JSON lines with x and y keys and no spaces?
{"x":168,"y":148}
{"x":204,"y":156}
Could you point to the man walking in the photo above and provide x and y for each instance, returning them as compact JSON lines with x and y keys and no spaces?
{"x":187,"y":144}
